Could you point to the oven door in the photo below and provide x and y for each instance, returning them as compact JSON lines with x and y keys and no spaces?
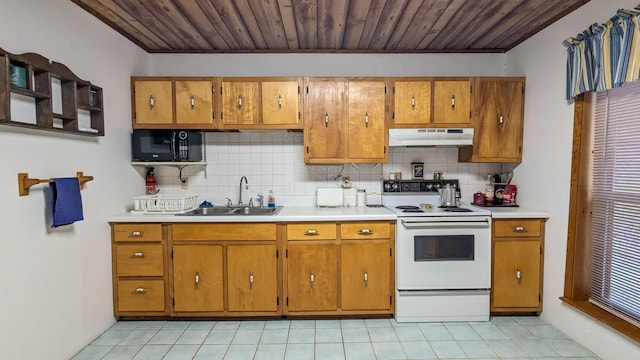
{"x":443,"y":253}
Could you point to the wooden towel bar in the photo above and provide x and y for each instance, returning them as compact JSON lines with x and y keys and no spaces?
{"x":24,"y":182}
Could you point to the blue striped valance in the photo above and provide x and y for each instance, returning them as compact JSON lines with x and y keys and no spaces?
{"x":604,"y":56}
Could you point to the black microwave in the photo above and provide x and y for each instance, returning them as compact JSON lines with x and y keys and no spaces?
{"x":166,"y":145}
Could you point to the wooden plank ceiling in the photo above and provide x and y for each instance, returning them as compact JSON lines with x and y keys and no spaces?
{"x":291,"y":26}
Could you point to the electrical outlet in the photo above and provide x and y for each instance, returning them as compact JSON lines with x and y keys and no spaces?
{"x":346,"y":183}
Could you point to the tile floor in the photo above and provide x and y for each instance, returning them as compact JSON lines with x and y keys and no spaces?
{"x":503,"y":337}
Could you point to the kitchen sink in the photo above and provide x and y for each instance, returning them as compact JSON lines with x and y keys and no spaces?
{"x":231,"y":211}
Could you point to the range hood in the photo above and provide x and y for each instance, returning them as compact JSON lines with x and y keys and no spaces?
{"x":430,"y":137}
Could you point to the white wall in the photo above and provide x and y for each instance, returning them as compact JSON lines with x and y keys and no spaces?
{"x":55,"y":284}
{"x":546,"y":165}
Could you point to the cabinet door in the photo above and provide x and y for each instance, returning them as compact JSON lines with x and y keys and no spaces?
{"x":194,"y":102}
{"x":516,"y":274}
{"x":452,"y":102}
{"x":252,"y":278}
{"x":240,"y":103}
{"x":312,"y":280}
{"x":197,"y":278}
{"x":325,"y":121}
{"x":499,"y":109}
{"x":280,"y":103}
{"x":366,"y":121}
{"x":412,"y":103}
{"x":153,"y":102}
{"x":366,"y":276}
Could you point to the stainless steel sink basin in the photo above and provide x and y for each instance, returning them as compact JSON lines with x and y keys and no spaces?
{"x":231,"y":211}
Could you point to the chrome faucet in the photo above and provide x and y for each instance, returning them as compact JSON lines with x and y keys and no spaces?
{"x":246,"y":187}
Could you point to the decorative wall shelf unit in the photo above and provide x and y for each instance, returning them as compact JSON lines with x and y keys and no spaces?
{"x":62,"y":101}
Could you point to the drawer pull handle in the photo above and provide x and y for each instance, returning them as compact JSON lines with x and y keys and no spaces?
{"x":326,"y":119}
{"x":501,"y":120}
{"x":193,"y":102}
{"x":366,"y":120}
{"x":311,"y":232}
{"x":413,"y":102}
{"x":312,"y":279}
{"x":366,"y":278}
{"x":279,"y":102}
{"x":196,"y":279}
{"x":365,"y":231}
{"x":140,"y":291}
{"x":240,"y":101}
{"x":453,"y":102}
{"x":519,"y":229}
{"x":518,"y":275}
{"x":151,"y":102}
{"x":250,"y":280}
{"x":137,"y":233}
{"x":138,"y":254}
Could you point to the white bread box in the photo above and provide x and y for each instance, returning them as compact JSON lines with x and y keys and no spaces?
{"x":329,"y":197}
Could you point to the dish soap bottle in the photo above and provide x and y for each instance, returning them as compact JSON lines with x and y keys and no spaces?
{"x":271,"y":202}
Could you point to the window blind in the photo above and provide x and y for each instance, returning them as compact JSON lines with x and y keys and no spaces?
{"x":615,"y":267}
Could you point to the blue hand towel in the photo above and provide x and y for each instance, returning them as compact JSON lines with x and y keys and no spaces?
{"x":66,"y":203}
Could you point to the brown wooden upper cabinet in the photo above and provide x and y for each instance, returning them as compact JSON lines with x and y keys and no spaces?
{"x":167,"y":103}
{"x":431,"y":102}
{"x":345,"y":121}
{"x":260,"y":103}
{"x":498,"y":118}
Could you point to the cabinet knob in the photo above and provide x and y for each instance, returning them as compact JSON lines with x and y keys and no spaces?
{"x":152,"y":102}
{"x":196,"y":279}
{"x":453,"y":102}
{"x":140,"y":291}
{"x":518,"y":275}
{"x":138,"y":254}
{"x":413,"y":102}
{"x":365,"y":231}
{"x":136,"y":234}
{"x":250,"y":280}
{"x":366,"y":278}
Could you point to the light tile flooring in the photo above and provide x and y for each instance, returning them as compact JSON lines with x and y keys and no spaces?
{"x":501,"y":338}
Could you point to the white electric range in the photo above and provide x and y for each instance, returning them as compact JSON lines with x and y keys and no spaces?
{"x":443,"y":255}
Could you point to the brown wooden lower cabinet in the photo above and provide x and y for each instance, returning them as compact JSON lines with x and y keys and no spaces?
{"x":253,"y":269}
{"x":517,"y":274}
{"x":197,"y":278}
{"x":312,"y":277}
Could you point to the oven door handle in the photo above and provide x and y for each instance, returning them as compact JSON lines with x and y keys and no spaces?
{"x":480,"y":223}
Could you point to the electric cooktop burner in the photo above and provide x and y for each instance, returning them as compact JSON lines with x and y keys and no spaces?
{"x":409,"y":209}
{"x":455,"y":209}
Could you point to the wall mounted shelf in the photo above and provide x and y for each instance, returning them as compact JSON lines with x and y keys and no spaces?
{"x":62,"y":102}
{"x":179,"y":165}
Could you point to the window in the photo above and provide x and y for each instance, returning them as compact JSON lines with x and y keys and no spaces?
{"x":615,"y":250}
{"x":603,"y":249}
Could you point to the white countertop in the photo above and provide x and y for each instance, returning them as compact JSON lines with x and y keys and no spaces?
{"x":516,"y":213}
{"x":287,"y":214}
{"x":312,"y":213}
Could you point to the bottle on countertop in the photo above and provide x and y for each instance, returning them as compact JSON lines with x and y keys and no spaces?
{"x":271,"y":202}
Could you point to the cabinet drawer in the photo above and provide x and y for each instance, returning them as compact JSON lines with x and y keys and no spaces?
{"x":137,"y":232}
{"x":364,"y":230}
{"x":235,"y":231}
{"x":314,"y":231}
{"x":141,"y":295}
{"x":517,"y":228}
{"x":139,"y":260}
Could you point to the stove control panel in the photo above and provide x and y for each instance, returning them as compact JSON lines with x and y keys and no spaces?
{"x":404,"y":186}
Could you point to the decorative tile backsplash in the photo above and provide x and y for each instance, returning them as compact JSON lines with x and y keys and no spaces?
{"x":274,"y":160}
